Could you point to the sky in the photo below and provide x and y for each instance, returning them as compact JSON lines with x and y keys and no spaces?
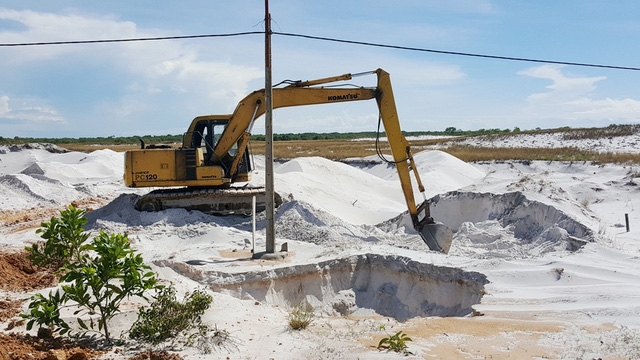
{"x":158,"y":87}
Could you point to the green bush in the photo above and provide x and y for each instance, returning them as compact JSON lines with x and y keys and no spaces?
{"x":64,"y":239}
{"x":98,"y":284}
{"x":397,"y":342}
{"x":169,"y":319}
{"x":45,"y":312}
{"x":96,"y":278}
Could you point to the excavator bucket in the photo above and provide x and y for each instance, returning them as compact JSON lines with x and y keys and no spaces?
{"x":437,"y":236}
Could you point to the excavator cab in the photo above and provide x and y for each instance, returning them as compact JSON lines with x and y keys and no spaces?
{"x":205,"y":134}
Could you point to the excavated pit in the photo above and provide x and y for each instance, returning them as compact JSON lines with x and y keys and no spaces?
{"x":392,"y":286}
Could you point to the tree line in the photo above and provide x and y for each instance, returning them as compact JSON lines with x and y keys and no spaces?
{"x":169,"y":138}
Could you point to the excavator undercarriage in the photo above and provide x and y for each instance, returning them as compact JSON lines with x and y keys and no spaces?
{"x":225,"y":201}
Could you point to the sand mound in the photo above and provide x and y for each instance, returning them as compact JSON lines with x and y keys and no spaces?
{"x":120,"y":213}
{"x":26,"y":191}
{"x":298,"y":220}
{"x":439,"y":171}
{"x":33,"y":169}
{"x":329,"y":186}
{"x":33,"y":146}
{"x":507,"y":225}
{"x":41,"y":175}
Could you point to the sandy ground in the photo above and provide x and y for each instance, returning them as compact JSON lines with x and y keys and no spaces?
{"x":541,"y":267}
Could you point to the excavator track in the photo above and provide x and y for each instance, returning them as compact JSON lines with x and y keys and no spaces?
{"x":217,"y":201}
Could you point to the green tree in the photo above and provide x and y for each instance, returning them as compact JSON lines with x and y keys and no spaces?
{"x":98,"y":284}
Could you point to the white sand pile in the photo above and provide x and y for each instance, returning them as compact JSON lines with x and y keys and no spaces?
{"x":549,"y":237}
{"x":507,"y":225}
{"x":39,"y":175}
{"x":577,"y":138}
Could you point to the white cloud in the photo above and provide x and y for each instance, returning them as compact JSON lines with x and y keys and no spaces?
{"x":215,"y":79}
{"x":468,"y":6}
{"x":42,"y":26}
{"x":152,"y":59}
{"x":28,"y":112}
{"x":573,"y":98}
{"x":609,"y":108}
{"x":563,"y":87}
{"x":141,"y":70}
{"x":45,"y":27}
{"x":4,"y":105}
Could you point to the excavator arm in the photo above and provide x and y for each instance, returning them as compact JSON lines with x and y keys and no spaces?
{"x":437,"y":236}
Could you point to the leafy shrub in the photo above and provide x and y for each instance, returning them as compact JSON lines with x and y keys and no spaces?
{"x":301,"y":317}
{"x":64,"y":239}
{"x":166,"y":317}
{"x":45,"y":312}
{"x":397,"y":342}
{"x":99,"y":284}
{"x":97,"y":277}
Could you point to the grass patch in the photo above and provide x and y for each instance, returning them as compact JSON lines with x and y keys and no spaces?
{"x":600,"y":133}
{"x":475,"y":153}
{"x":340,"y":150}
{"x":344,"y":149}
{"x":301,"y":317}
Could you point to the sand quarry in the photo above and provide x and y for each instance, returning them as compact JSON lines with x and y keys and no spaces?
{"x":541,"y":267}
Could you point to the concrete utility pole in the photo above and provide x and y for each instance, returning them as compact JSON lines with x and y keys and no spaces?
{"x":270,"y":205}
{"x":270,"y":253}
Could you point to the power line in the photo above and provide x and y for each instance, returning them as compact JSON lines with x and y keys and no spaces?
{"x":363,"y":43}
{"x":130,"y":39}
{"x":460,"y":53}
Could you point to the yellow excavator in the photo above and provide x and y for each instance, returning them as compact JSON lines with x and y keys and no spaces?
{"x":205,"y":172}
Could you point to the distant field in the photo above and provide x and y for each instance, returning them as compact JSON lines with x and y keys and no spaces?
{"x":343,"y":149}
{"x":89,"y":148}
{"x":338,"y":149}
